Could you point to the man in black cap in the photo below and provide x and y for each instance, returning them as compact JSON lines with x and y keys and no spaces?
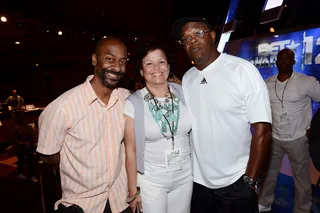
{"x":225,"y":95}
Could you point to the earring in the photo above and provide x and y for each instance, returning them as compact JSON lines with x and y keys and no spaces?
{"x":172,"y":75}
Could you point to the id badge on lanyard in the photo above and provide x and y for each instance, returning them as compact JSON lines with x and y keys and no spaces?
{"x":284,"y":119}
{"x":173,"y":160}
{"x":283,"y":116}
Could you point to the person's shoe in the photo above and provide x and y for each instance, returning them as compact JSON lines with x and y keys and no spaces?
{"x":34,"y":179}
{"x":264,"y":208}
{"x":21,"y":177}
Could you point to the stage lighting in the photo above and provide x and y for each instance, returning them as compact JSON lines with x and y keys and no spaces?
{"x":3,"y":19}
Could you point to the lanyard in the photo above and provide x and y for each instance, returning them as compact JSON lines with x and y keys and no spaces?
{"x":275,"y":90}
{"x":170,"y":126}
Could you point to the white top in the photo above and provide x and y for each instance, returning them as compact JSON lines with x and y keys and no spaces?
{"x":156,"y":143}
{"x":223,"y":99}
{"x":297,"y":97}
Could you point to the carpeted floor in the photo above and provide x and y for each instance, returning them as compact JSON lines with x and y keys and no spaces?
{"x":284,"y":196}
{"x":18,"y":196}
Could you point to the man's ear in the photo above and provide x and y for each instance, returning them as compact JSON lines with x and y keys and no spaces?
{"x":94,"y":59}
{"x":213,"y":36}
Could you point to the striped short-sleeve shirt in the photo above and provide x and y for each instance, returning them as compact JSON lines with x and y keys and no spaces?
{"x":89,"y":136}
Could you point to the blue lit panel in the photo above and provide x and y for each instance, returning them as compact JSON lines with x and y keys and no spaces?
{"x":262,"y":52}
{"x":232,"y":12}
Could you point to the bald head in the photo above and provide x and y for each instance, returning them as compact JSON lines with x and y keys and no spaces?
{"x":285,"y":61}
{"x":108,"y":41}
{"x":287,"y":53}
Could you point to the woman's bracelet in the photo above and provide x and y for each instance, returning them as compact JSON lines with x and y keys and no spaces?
{"x":130,"y":199}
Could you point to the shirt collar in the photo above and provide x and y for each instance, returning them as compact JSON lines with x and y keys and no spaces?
{"x":88,"y":92}
{"x":91,"y":96}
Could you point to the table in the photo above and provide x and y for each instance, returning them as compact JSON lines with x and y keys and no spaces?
{"x":31,"y":115}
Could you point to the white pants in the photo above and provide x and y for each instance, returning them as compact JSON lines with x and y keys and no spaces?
{"x":298,"y":153}
{"x":166,"y":192}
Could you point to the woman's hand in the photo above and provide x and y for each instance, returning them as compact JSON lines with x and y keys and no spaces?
{"x":136,"y":203}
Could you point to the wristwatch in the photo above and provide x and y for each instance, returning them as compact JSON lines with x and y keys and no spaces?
{"x":249,"y":181}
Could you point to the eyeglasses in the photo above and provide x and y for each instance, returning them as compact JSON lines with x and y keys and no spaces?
{"x":197,"y":34}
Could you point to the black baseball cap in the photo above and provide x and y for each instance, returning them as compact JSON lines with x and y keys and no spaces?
{"x":179,"y":24}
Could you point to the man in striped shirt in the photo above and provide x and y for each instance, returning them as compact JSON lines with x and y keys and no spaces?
{"x":82,"y":132}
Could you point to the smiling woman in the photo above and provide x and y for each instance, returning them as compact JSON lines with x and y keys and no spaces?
{"x":155,"y":68}
{"x":157,"y":139}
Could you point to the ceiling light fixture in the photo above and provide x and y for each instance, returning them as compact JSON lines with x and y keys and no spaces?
{"x":3,"y":19}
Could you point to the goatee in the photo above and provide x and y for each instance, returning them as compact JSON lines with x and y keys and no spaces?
{"x":103,"y":78}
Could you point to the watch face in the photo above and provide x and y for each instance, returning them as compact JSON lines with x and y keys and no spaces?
{"x":248,"y":180}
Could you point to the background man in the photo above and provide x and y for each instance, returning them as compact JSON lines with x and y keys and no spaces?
{"x":15,"y":100}
{"x":290,"y":96}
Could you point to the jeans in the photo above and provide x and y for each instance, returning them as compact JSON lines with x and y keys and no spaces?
{"x":26,"y":153}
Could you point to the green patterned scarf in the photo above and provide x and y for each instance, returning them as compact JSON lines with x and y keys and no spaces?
{"x":166,"y":115}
